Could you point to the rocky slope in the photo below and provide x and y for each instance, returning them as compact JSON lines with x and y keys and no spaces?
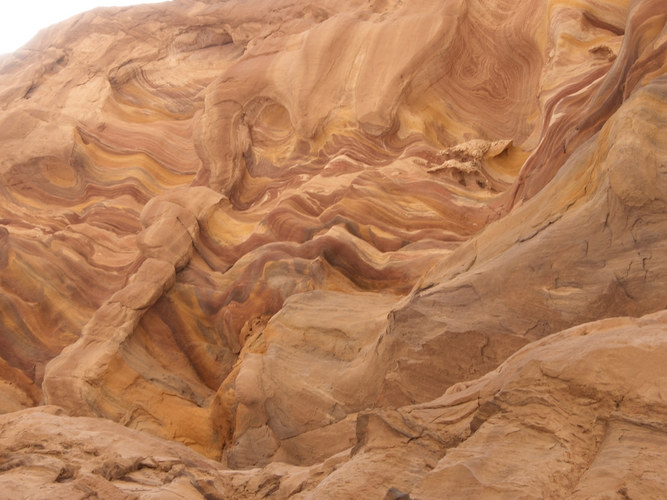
{"x":360,"y":249}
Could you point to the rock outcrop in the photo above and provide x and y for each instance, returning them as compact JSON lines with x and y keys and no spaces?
{"x":337,"y":250}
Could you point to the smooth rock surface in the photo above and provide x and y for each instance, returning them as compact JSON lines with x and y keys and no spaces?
{"x":351,"y":249}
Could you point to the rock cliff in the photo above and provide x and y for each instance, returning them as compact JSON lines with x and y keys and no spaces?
{"x":351,"y":249}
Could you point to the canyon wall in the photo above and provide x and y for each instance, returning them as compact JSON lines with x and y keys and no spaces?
{"x":352,"y":249}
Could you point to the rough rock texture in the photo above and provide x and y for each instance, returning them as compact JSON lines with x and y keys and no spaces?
{"x":351,"y":249}
{"x":579,"y":414}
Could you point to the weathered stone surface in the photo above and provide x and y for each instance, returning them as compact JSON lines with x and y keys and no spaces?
{"x":579,"y":414}
{"x":347,"y":249}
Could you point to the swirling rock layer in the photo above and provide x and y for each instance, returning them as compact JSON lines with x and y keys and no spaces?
{"x":307,"y":241}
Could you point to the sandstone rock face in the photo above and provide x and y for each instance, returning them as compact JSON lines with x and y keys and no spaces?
{"x":344,"y":249}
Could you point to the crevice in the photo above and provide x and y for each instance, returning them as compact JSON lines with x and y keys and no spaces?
{"x":539,"y":230}
{"x":598,"y":442}
{"x":31,"y":89}
{"x":484,"y":412}
{"x":618,"y":281}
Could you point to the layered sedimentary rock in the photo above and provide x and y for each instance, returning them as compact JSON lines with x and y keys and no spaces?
{"x":579,"y":414}
{"x":306,"y":240}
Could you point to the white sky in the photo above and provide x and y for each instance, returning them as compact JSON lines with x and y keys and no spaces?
{"x":20,"y":20}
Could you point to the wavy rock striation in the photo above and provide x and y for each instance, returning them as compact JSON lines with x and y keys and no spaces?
{"x":344,"y":249}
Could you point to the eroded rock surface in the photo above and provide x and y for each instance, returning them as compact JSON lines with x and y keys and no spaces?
{"x":340,"y":249}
